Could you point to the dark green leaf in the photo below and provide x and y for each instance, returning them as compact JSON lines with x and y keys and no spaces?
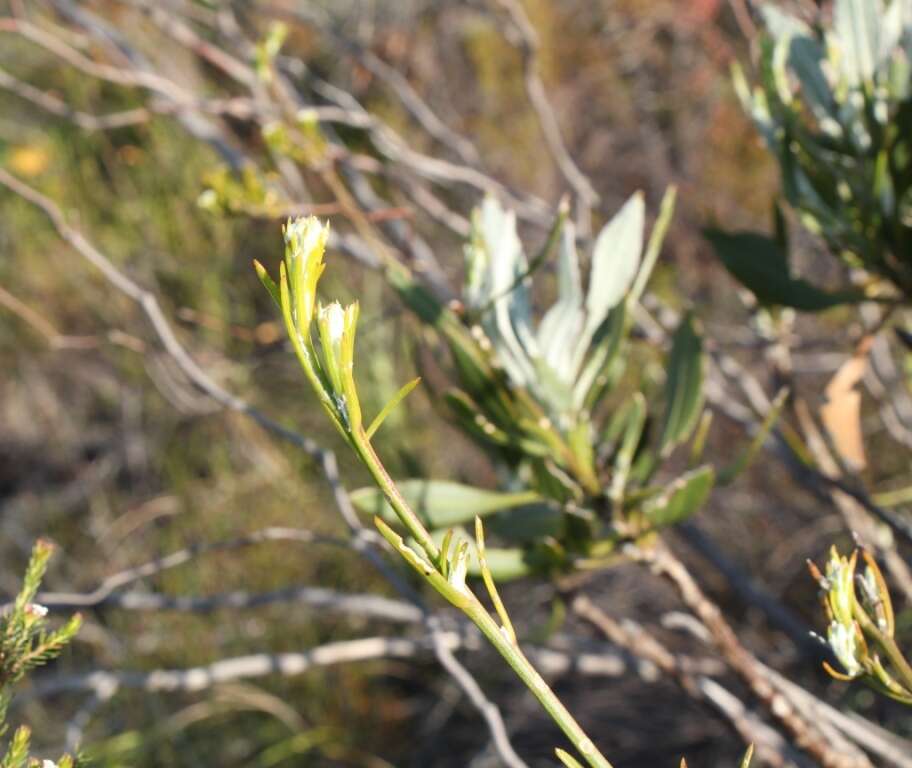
{"x":595,"y":378}
{"x":757,"y":262}
{"x":526,"y":524}
{"x":681,"y":499}
{"x":623,"y":459}
{"x":683,"y":387}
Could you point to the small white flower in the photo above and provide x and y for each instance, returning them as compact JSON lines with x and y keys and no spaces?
{"x":48,"y":764}
{"x":303,"y":235}
{"x":335,"y":320}
{"x":34,"y":609}
{"x":845,"y":645}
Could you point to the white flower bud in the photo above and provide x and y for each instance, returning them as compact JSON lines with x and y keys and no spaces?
{"x":335,"y":321}
{"x":844,"y":643}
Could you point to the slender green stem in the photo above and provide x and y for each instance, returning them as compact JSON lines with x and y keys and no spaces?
{"x":896,"y":658}
{"x":478,"y":614}
{"x":514,"y":656}
{"x":333,"y":380}
{"x":887,"y":644}
{"x":403,"y":511}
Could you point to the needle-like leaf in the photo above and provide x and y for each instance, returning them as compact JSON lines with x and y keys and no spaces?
{"x":388,"y":408}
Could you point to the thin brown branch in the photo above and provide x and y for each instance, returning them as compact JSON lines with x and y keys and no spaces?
{"x":43,"y":326}
{"x":805,"y":733}
{"x":771,"y":748}
{"x":586,"y":195}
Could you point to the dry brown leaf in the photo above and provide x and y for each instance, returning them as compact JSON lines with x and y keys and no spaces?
{"x":841,"y":413}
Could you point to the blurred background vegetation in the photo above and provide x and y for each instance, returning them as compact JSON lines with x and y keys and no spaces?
{"x":107,"y":449}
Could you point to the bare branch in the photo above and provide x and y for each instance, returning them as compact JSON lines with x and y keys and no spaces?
{"x":150,"y":306}
{"x":241,"y":667}
{"x":371,"y":606}
{"x":586,"y":195}
{"x":771,"y":747}
{"x":828,"y":751}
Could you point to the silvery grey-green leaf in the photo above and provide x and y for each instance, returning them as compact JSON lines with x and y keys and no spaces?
{"x":856,"y":27}
{"x":561,"y":325}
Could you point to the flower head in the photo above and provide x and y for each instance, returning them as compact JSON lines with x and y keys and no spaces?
{"x":329,"y":366}
{"x":305,"y":244}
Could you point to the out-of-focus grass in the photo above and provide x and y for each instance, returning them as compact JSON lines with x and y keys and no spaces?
{"x":177,"y":477}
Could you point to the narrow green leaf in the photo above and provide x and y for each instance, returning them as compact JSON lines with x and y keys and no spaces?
{"x":683,"y":387}
{"x":749,"y":452}
{"x":614,"y":428}
{"x":490,"y":585}
{"x":623,"y":459}
{"x":527,"y":523}
{"x":423,"y":566}
{"x":757,"y":262}
{"x":388,"y":408}
{"x":745,"y":763}
{"x":568,"y":760}
{"x":268,"y":283}
{"x":680,"y":499}
{"x":472,"y":420}
{"x":504,"y":563}
{"x":656,"y":238}
{"x":699,"y":442}
{"x":603,"y":364}
{"x":441,"y":504}
{"x":893,"y":498}
{"x":17,"y":754}
{"x":483,"y":382}
{"x":806,"y":59}
{"x":554,"y":482}
{"x":444,"y":562}
{"x":893,"y":25}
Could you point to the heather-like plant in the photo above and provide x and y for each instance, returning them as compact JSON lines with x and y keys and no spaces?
{"x":26,"y":643}
{"x":834,"y":106}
